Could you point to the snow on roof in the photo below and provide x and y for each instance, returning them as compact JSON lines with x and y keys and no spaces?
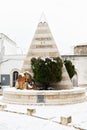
{"x":8,"y":39}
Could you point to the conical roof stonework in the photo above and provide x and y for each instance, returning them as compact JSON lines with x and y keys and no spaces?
{"x":43,"y":45}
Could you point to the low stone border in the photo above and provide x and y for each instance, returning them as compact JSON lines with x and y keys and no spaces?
{"x":64,"y":119}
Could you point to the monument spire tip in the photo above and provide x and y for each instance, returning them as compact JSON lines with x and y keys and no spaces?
{"x":43,"y":17}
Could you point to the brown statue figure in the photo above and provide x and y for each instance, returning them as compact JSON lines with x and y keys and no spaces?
{"x":20,"y":82}
{"x":25,"y":81}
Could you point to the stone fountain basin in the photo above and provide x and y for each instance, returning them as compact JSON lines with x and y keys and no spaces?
{"x":46,"y":97}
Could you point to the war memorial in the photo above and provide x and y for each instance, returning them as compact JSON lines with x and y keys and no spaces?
{"x":25,"y":91}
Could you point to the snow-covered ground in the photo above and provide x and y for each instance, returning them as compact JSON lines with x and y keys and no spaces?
{"x":15,"y":117}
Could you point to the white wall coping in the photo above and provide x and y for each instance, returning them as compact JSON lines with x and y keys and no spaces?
{"x":44,"y":92}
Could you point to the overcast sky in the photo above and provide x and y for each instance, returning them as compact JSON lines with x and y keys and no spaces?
{"x":67,"y":20}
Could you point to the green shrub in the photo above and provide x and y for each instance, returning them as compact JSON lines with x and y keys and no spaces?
{"x":70,"y":68}
{"x":47,"y":70}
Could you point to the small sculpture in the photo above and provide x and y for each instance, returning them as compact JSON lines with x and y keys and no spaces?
{"x":31,"y":85}
{"x":20,"y":82}
{"x":25,"y":81}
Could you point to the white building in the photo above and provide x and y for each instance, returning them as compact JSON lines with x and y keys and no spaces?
{"x":10,"y":61}
{"x":79,"y":59}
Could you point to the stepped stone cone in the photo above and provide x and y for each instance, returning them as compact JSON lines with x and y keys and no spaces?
{"x":43,"y":45}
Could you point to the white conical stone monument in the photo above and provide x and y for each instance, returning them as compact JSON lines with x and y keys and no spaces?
{"x":43,"y":45}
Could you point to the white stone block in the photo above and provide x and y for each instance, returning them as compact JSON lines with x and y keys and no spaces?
{"x":30,"y":111}
{"x":66,"y":119}
{"x":2,"y":107}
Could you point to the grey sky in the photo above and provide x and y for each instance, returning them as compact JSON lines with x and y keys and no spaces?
{"x":67,"y":20}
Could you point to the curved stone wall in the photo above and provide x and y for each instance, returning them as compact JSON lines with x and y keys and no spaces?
{"x":38,"y":97}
